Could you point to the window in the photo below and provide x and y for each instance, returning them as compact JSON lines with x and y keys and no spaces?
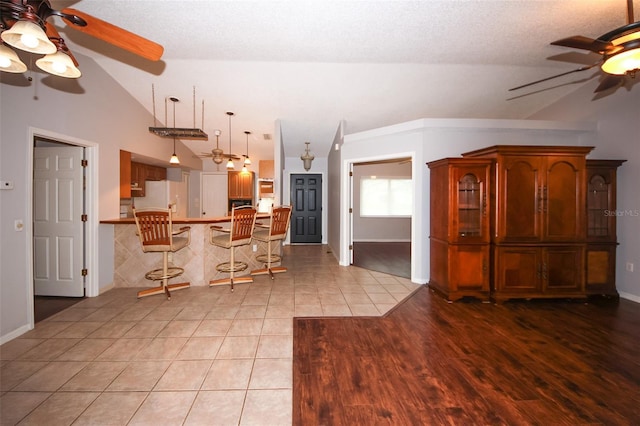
{"x":386,"y":197}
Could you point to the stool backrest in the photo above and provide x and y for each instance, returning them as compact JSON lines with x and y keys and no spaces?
{"x":280,"y":217}
{"x":243,"y":219}
{"x":154,"y":226}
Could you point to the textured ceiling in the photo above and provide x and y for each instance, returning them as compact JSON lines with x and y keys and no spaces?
{"x":311,"y":64}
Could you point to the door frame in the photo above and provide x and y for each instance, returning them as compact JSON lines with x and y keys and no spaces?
{"x":346,"y":237}
{"x":286,"y":199}
{"x":91,"y":204}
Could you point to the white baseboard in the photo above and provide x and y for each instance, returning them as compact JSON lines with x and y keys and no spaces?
{"x":629,"y":296}
{"x":15,"y":333}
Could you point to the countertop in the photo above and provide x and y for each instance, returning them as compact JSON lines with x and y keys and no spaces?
{"x":181,"y":221}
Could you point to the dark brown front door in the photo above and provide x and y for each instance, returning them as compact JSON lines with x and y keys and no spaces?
{"x":306,"y":216}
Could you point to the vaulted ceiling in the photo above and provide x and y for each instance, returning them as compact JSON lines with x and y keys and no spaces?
{"x":311,"y":64}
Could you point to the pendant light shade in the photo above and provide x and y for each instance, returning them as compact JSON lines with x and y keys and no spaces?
{"x":247,"y":160}
{"x":230,"y":165}
{"x":307,"y":157}
{"x":174,"y":158}
{"x":28,"y":36}
{"x":59,"y":64}
{"x":9,"y":61}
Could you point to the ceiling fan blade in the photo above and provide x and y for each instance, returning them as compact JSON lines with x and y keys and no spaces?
{"x":609,"y":82}
{"x":52,"y":33}
{"x":554,"y":76}
{"x":586,"y":43}
{"x":114,"y":35}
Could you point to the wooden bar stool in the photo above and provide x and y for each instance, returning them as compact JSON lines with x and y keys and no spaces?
{"x":276,"y":231}
{"x":243,"y":219}
{"x":155,"y":230}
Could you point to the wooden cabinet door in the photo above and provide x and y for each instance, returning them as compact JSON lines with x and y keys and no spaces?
{"x":562,"y":199}
{"x":517,"y":200}
{"x":469,"y":268}
{"x":518,"y":271}
{"x":240,"y":186}
{"x":469,"y":217}
{"x":563,"y":270}
{"x":125,"y":174}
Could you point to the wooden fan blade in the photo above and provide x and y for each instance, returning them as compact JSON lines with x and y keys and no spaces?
{"x":115,"y":35}
{"x":52,"y":32}
{"x":609,"y":82}
{"x":586,"y":43}
{"x":554,"y":76}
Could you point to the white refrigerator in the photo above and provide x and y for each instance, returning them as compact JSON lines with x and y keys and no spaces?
{"x":163,"y":193}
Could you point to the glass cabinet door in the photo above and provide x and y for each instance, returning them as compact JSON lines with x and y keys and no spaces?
{"x":597,"y":207}
{"x":470,"y":206}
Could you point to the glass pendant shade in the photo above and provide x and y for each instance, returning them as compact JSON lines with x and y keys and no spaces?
{"x":28,"y":36}
{"x":9,"y":61}
{"x":230,"y":164}
{"x":174,"y":159}
{"x":623,"y":62}
{"x":59,"y":64}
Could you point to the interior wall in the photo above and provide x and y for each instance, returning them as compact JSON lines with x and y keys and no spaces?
{"x":379,"y":228}
{"x":618,"y":137}
{"x":334,"y":227}
{"x":94,"y":108}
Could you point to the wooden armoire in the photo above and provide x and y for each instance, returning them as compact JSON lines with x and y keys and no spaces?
{"x":540,"y":241}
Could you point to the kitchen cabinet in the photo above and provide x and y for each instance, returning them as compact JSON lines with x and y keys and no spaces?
{"x":601,"y":227}
{"x":125,"y":174}
{"x":459,"y":230}
{"x":240,"y":185}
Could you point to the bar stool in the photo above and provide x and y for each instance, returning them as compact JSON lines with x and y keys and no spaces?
{"x":243,"y":219}
{"x":155,"y":230}
{"x":276,"y":231}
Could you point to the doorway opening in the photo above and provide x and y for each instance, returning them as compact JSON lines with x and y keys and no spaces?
{"x":86,"y":263}
{"x":381,"y":218}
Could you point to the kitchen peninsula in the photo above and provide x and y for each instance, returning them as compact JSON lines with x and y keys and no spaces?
{"x":199,"y":259}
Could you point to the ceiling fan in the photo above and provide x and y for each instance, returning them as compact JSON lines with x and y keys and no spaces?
{"x":218,"y":155}
{"x":620,"y":50}
{"x":24,"y":25}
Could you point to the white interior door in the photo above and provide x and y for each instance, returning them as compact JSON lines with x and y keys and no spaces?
{"x":58,"y":229}
{"x":214,"y":195}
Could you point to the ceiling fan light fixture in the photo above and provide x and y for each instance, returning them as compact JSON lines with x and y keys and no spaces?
{"x":623,"y":63}
{"x":59,"y":64}
{"x":30,"y":37}
{"x":9,"y":61}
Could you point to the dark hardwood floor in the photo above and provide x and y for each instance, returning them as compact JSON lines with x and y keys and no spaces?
{"x":470,"y":363}
{"x":46,"y":306}
{"x":389,"y":257}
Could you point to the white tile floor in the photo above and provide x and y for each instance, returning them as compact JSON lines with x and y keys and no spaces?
{"x":208,"y":356}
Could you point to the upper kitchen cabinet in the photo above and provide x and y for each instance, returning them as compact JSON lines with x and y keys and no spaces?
{"x":125,"y":174}
{"x":133,"y":175}
{"x":241,"y":185}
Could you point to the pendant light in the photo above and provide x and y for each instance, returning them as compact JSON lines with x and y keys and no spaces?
{"x":230,"y":165}
{"x":174,"y":158}
{"x":247,"y":160}
{"x":307,"y":157}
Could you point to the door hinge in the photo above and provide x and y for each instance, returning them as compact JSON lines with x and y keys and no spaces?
{"x":84,"y":163}
{"x":350,"y":174}
{"x":84,"y":218}
{"x":85,"y":272}
{"x":350,"y":210}
{"x":350,"y":246}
